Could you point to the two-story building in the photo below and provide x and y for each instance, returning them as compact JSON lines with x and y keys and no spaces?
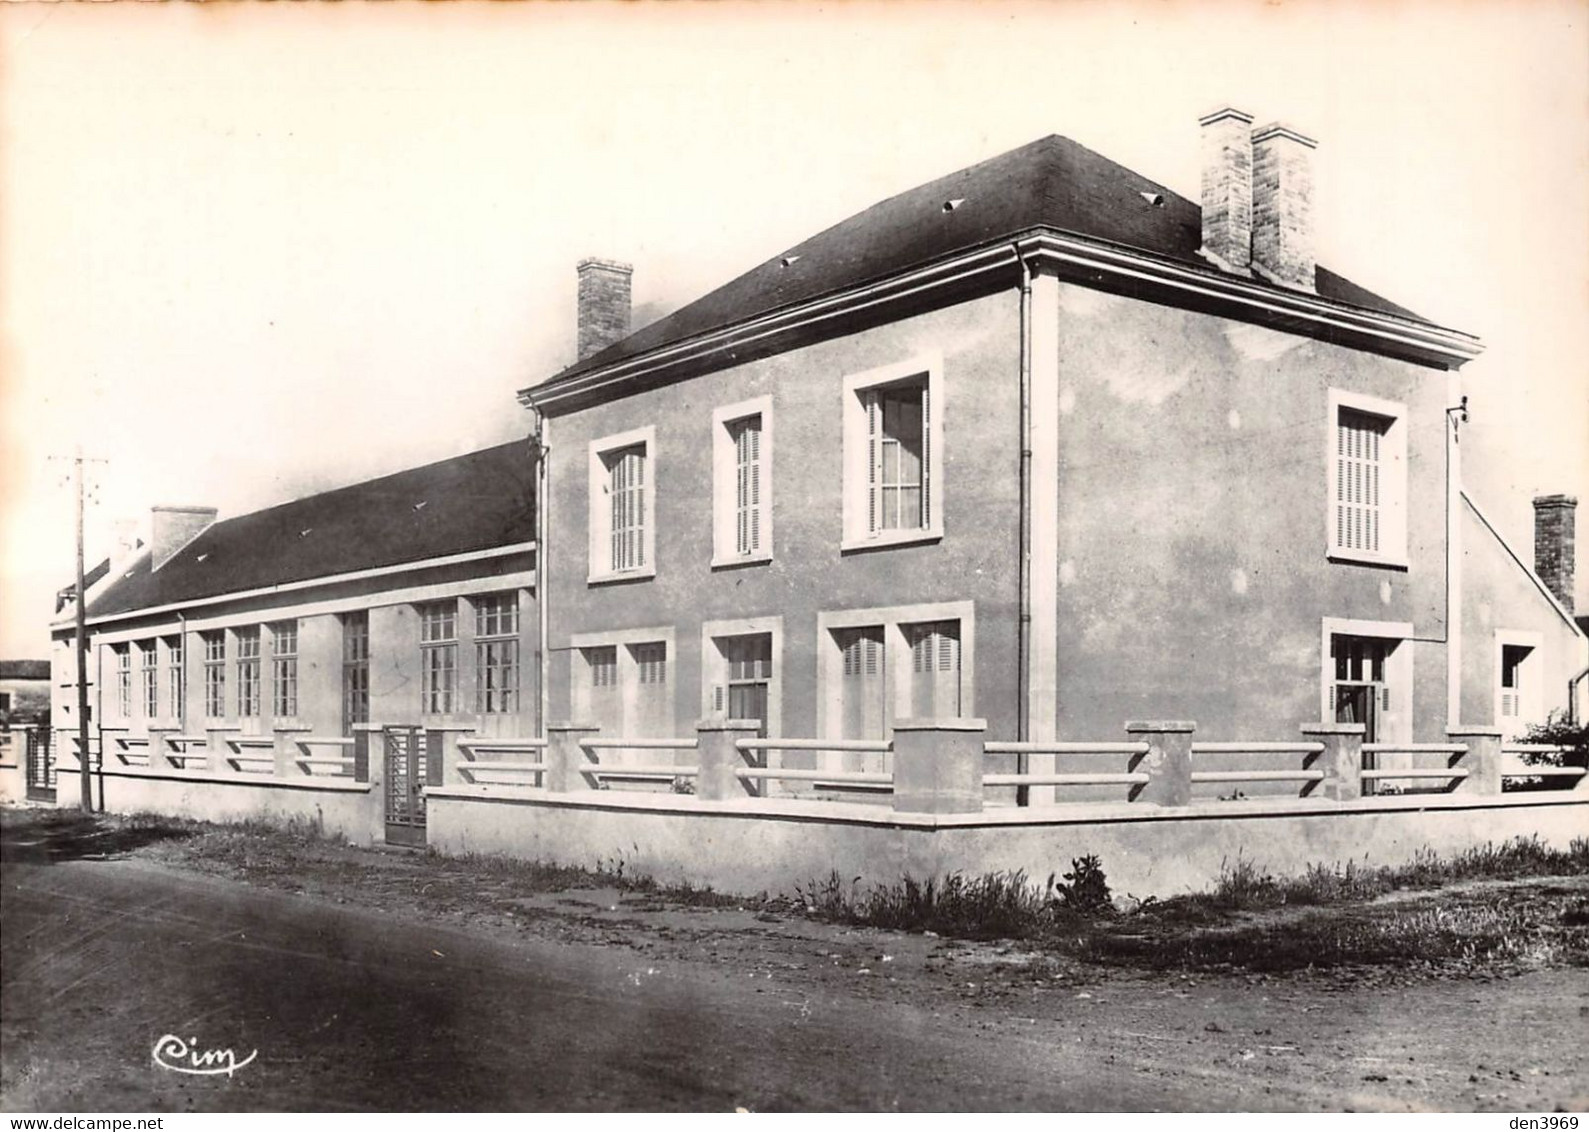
{"x":1040,"y":442}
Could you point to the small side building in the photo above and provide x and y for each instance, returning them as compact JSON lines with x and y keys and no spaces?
{"x":277,"y":642}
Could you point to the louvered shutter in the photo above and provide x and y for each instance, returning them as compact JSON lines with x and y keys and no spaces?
{"x":926,"y":457}
{"x":1357,"y":481}
{"x":873,"y":458}
{"x":753,"y":544}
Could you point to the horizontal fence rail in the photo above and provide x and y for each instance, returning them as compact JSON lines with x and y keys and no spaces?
{"x":936,"y":766}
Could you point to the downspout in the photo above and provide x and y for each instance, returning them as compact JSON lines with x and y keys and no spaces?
{"x":542,"y":524}
{"x":1023,"y":627}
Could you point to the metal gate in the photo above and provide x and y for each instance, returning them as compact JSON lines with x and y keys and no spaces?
{"x":41,"y":766}
{"x":410,"y":755}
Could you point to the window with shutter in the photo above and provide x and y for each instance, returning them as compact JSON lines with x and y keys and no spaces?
{"x":1359,"y":440}
{"x":1367,"y":472}
{"x":622,"y":507}
{"x":893,"y":492}
{"x":747,"y":484}
{"x":627,"y":488}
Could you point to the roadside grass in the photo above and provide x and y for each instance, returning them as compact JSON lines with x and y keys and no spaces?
{"x":1490,"y":909}
{"x":1331,"y":916}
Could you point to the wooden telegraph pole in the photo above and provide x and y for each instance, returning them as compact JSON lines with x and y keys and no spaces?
{"x":81,"y":648}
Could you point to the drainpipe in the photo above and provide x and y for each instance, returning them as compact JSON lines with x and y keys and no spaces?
{"x":542,"y":524}
{"x":1572,"y":694}
{"x":1024,"y":623}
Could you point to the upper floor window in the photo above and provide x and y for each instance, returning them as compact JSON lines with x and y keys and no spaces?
{"x":497,"y":653}
{"x":742,"y":483}
{"x":438,"y":656}
{"x":248,"y":671}
{"x":284,"y":668}
{"x":1367,"y":479}
{"x":892,"y":440}
{"x":623,"y":505}
{"x":214,"y":674}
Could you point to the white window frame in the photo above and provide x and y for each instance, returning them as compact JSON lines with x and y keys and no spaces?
{"x":149,"y":677}
{"x":1530,"y":707}
{"x":599,"y":519}
{"x":497,"y":653}
{"x":628,"y":669}
{"x":1398,"y":670}
{"x":725,"y":484}
{"x":714,"y":669}
{"x":859,"y":461}
{"x":284,"y":669}
{"x":250,"y":671}
{"x":896,"y":657}
{"x":1393,"y":480}
{"x":440,"y":683}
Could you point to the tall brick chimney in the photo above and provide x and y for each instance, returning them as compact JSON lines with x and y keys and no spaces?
{"x":172,"y":528}
{"x":1282,"y":206}
{"x":1555,"y":539}
{"x":603,"y":304}
{"x":1227,"y":188}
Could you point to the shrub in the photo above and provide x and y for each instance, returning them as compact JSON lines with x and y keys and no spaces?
{"x":1084,"y":889}
{"x":1557,"y":731}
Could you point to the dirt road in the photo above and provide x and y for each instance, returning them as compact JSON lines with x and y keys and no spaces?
{"x":635,"y":1006}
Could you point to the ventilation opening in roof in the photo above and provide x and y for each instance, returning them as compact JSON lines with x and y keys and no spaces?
{"x":951,"y":205}
{"x":1155,"y":199}
{"x":788,"y":261}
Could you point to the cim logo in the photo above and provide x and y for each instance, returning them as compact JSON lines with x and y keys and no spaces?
{"x":179,"y":1056}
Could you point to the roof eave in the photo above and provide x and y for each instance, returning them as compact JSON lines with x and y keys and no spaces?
{"x":1081,"y":259}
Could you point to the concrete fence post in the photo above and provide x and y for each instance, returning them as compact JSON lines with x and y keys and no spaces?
{"x":1167,"y":763}
{"x":1341,"y":760}
{"x":938,"y":765}
{"x":286,"y":752}
{"x":361,"y":756}
{"x":720,"y":758}
{"x":1482,"y":760}
{"x":565,"y":758}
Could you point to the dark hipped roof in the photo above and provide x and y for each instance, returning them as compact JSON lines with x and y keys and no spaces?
{"x":24,"y":670}
{"x":468,"y":503}
{"x":1052,"y":183}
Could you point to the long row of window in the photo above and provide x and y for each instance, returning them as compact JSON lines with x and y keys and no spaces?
{"x":238,"y":682}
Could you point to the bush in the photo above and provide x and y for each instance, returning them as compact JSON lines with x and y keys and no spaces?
{"x":1557,"y":731}
{"x":1084,"y":888}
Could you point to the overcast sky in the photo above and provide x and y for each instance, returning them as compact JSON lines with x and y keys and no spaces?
{"x":249,"y":252}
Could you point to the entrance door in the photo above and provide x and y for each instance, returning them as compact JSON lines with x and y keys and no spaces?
{"x":748,"y":661}
{"x":41,"y":767}
{"x":407,"y":772}
{"x":862,"y":693}
{"x":1360,"y":689}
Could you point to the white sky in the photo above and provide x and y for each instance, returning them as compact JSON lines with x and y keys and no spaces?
{"x":249,"y":252}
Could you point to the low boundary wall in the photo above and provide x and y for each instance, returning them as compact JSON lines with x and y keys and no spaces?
{"x":764,"y":846}
{"x":335,"y":806}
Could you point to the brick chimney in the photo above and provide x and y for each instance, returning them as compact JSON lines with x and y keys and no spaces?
{"x":603,"y":304}
{"x":1227,"y":188}
{"x":1282,"y":206}
{"x":1555,"y":538}
{"x":172,"y":528}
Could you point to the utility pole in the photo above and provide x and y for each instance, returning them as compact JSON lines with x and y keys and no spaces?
{"x":81,"y":637}
{"x":80,"y":600}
